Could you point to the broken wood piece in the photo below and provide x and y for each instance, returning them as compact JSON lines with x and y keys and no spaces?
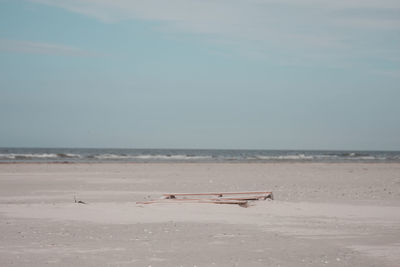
{"x":239,"y":198}
{"x":222,"y":194}
{"x":213,"y":201}
{"x":78,"y":201}
{"x":246,"y":198}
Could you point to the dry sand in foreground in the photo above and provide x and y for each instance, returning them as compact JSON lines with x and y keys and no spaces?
{"x":322,"y":215}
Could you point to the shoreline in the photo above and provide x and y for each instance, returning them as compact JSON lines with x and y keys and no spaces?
{"x":201,"y":162}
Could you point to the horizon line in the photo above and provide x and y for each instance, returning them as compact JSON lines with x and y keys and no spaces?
{"x":232,"y":149}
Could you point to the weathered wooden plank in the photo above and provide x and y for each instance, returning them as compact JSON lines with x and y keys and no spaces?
{"x":175,"y":201}
{"x":220,"y":194}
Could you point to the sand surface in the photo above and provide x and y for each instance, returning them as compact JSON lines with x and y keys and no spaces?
{"x":322,"y":215}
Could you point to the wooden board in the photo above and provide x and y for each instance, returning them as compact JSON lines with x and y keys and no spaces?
{"x":238,"y":198}
{"x":174,"y":195}
{"x":175,"y":201}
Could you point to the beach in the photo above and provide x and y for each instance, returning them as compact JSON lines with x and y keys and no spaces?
{"x":323,"y":214}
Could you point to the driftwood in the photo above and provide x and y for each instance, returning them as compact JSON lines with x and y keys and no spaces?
{"x":214,"y":201}
{"x":238,"y":198}
{"x":226,"y":195}
{"x":79,"y":201}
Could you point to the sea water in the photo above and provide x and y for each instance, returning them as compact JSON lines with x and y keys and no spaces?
{"x":71,"y":155}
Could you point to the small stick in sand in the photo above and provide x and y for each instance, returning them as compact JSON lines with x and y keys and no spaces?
{"x":78,"y":201}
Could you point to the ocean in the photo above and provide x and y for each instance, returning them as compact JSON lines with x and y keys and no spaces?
{"x":98,"y":155}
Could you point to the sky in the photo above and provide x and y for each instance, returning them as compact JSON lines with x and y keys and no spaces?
{"x":237,"y":74}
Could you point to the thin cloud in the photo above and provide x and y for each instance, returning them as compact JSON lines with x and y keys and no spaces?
{"x":230,"y":21}
{"x":252,"y":20}
{"x":309,"y":28}
{"x":371,"y":24}
{"x":18,"y":46}
{"x":339,"y":4}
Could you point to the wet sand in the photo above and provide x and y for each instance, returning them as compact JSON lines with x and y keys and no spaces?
{"x":323,"y":215}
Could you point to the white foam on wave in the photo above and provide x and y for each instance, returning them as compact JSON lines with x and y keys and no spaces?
{"x":286,"y":157}
{"x":28,"y":156}
{"x":173,"y":157}
{"x":110,"y":156}
{"x":363,"y":158}
{"x":149,"y":157}
{"x":17,"y":156}
{"x":69,"y":155}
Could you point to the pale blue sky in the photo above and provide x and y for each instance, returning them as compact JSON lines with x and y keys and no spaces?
{"x":256,"y":74}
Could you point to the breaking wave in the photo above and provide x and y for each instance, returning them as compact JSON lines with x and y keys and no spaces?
{"x":28,"y":156}
{"x":285,"y":157}
{"x":149,"y":157}
{"x":33,"y":156}
{"x":190,"y":155}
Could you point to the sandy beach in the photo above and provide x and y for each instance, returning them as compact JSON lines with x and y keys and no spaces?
{"x":323,"y":214}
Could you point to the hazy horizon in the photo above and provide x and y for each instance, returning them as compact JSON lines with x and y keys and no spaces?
{"x":210,"y":149}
